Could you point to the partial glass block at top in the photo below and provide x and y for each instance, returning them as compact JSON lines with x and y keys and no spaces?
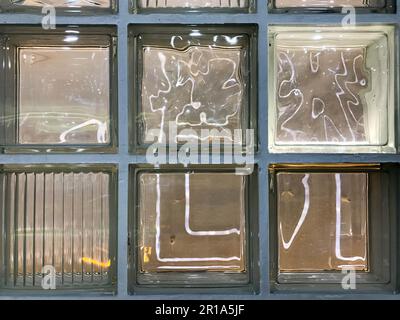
{"x":64,"y":92}
{"x":322,"y":221}
{"x":332,"y":5}
{"x":333,"y":89}
{"x":193,"y":84}
{"x":58,"y":221}
{"x":190,"y":226}
{"x":195,"y":5}
{"x":63,"y":6}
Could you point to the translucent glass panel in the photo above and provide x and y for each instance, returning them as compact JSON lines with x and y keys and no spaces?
{"x":62,"y":90}
{"x":322,"y":221}
{"x":58,"y":219}
{"x":373,"y":5}
{"x":189,"y":224}
{"x":194,"y":84}
{"x":332,"y":90}
{"x":195,"y":4}
{"x":64,"y":95}
{"x":69,"y":6}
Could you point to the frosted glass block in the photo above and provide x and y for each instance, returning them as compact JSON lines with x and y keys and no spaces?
{"x":322,"y":221}
{"x":60,"y":220}
{"x":189,"y":224}
{"x":310,"y":5}
{"x":195,"y":5}
{"x":333,"y":90}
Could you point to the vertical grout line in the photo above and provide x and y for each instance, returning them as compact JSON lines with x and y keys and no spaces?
{"x":16,"y":192}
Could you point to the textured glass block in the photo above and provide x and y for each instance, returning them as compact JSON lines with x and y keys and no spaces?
{"x":64,"y":95}
{"x":58,"y":219}
{"x":193,"y":85}
{"x":330,"y":3}
{"x":188,"y":223}
{"x":333,"y":90}
{"x":195,"y":4}
{"x":63,"y":6}
{"x":322,"y":221}
{"x":61,"y":90}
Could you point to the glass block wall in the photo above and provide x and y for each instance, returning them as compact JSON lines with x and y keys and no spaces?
{"x":78,"y":194}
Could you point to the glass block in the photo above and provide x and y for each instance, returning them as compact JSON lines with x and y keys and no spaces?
{"x":333,"y":89}
{"x":190,"y":231}
{"x":332,"y":5}
{"x":328,"y":220}
{"x":193,"y":84}
{"x":322,"y":219}
{"x":61,"y":6}
{"x":196,"y":5}
{"x":64,"y":92}
{"x":58,"y":221}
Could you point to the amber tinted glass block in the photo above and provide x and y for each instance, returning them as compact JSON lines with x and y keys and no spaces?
{"x":64,"y":95}
{"x":188,"y":223}
{"x":193,"y":4}
{"x":322,"y":221}
{"x":58,"y":219}
{"x":332,"y":93}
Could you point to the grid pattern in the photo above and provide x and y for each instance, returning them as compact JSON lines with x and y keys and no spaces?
{"x":123,"y":159}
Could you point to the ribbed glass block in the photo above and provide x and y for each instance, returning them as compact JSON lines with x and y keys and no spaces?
{"x":64,"y":3}
{"x":194,"y":3}
{"x":60,"y":219}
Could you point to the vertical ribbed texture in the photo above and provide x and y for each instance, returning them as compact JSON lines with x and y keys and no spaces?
{"x":59,"y":220}
{"x":193,"y":3}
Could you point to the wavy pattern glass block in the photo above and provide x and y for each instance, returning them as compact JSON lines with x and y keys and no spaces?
{"x":322,"y":221}
{"x":193,"y":4}
{"x":58,"y":219}
{"x":198,"y":88}
{"x":188,"y":223}
{"x":64,"y":95}
{"x":63,"y":3}
{"x":333,"y":88}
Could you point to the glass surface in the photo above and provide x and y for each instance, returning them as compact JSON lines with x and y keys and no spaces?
{"x":322,"y":221}
{"x":333,"y":88}
{"x":64,"y":95}
{"x":61,"y":220}
{"x":63,"y":3}
{"x":193,"y":86}
{"x":196,"y":89}
{"x":193,"y":3}
{"x":191,"y":222}
{"x":329,"y":3}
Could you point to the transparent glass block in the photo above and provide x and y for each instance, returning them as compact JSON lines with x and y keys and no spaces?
{"x":330,"y":5}
{"x":329,"y":220}
{"x":333,"y":89}
{"x":190,"y":231}
{"x":61,"y":6}
{"x":58,"y":221}
{"x":64,"y":92}
{"x":194,"y":5}
{"x":322,"y":221}
{"x":193,"y":85}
